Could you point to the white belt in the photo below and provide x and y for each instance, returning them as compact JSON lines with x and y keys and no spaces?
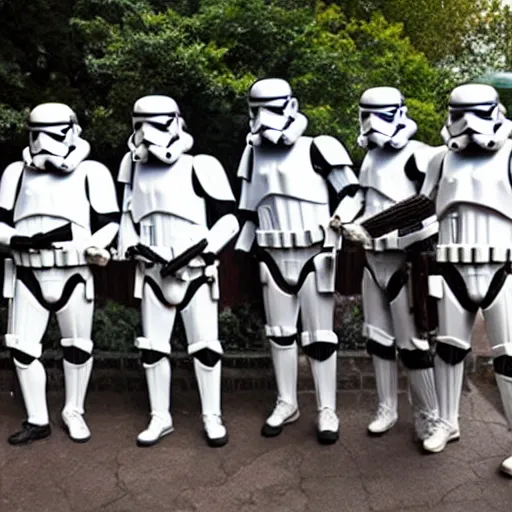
{"x":288,"y":239}
{"x":49,"y":258}
{"x":458,"y":253}
{"x":387,"y":242}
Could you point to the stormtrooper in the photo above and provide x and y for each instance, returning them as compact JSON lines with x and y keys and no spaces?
{"x":287,"y":182}
{"x":59,"y":214}
{"x":393,"y":169}
{"x":469,"y":187}
{"x":175,"y":221}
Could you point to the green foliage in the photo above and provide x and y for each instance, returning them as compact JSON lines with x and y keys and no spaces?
{"x":348,"y":323}
{"x":444,"y":30}
{"x":208,"y":59}
{"x":101,"y":55}
{"x":115,"y":327}
{"x":338,"y":59}
{"x":241,"y":328}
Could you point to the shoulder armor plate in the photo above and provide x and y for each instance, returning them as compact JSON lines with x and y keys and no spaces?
{"x":125,"y":169}
{"x":212,"y":177}
{"x":332,"y":150}
{"x":245,"y":165}
{"x":9,"y":184}
{"x":102,"y":192}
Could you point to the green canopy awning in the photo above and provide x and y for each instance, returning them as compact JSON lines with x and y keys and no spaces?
{"x":502,"y":82}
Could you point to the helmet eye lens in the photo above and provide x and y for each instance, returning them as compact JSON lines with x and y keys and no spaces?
{"x":137,"y":125}
{"x":56,"y":137}
{"x":456,"y":115}
{"x":484,"y":114}
{"x":276,"y":110}
{"x":387,"y":116}
{"x":160,"y":126}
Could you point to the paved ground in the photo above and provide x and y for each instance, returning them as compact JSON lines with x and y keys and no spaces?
{"x":479,"y":341}
{"x":251,"y":474}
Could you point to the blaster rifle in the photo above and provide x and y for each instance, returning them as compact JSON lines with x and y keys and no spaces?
{"x":40,"y":241}
{"x":184,"y":258}
{"x":146,"y":252}
{"x":172,"y":266}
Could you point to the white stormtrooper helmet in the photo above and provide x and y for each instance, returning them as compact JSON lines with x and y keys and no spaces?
{"x":274,"y":113}
{"x":476,"y":116}
{"x":158,"y":130}
{"x":383,"y":119}
{"x":54,"y":139}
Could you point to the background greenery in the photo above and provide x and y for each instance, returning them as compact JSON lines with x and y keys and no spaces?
{"x":241,"y":327}
{"x":99,"y":56}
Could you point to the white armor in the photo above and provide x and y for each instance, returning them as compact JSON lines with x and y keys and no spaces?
{"x":471,"y":187}
{"x":468,"y":186}
{"x":285,"y":201}
{"x":54,"y":190}
{"x":393,"y":170}
{"x":170,"y":197}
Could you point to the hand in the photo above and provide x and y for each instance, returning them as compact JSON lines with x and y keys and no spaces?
{"x":97,"y":256}
{"x":209,"y":258}
{"x":210,"y":270}
{"x":131,"y":252}
{"x":355,"y":233}
{"x":335,"y":224}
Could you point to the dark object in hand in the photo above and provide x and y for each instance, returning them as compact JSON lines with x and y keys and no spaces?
{"x":405,"y":215}
{"x":42,"y":240}
{"x":145,"y":252}
{"x":184,"y":258}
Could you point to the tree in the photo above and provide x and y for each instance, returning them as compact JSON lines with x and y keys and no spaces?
{"x":446,"y":31}
{"x":208,"y":60}
{"x":101,"y":55}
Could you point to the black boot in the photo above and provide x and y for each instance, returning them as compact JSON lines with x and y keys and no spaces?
{"x":30,"y":433}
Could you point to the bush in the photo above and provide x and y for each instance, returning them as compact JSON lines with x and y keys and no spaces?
{"x":348,"y":322}
{"x":241,"y":327}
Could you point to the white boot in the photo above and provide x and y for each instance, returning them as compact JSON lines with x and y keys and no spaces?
{"x":285,"y":360}
{"x":32,"y":380}
{"x":158,"y":376}
{"x":505,"y":387}
{"x":506,"y":466}
{"x":449,"y":388}
{"x":386,"y":380}
{"x":209,"y":384}
{"x":76,"y":380}
{"x":423,"y":396}
{"x":324,"y":375}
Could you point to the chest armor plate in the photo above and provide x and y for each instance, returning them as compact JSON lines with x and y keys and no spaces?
{"x":384,"y":171}
{"x":284,"y":171}
{"x":167,"y":189}
{"x":482,"y":180}
{"x":53,"y":195}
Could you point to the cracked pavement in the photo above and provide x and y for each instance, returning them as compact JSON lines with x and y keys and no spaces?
{"x":250,"y":474}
